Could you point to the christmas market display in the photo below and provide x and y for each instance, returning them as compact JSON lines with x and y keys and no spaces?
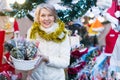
{"x":92,"y":28}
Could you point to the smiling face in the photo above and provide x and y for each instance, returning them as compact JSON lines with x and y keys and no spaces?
{"x":46,"y":18}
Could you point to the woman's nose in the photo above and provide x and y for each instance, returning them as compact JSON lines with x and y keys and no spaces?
{"x":46,"y":17}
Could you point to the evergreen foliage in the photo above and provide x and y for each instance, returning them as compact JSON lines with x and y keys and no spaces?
{"x":75,"y":9}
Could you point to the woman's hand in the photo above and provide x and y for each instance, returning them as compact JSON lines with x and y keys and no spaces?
{"x":45,"y":58}
{"x":42,"y":59}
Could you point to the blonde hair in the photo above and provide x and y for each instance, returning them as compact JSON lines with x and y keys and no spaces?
{"x":47,"y":6}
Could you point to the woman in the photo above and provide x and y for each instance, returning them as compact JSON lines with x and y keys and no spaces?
{"x":54,"y":46}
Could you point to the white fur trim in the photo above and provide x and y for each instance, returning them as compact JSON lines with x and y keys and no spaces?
{"x":111,"y":19}
{"x":107,"y":54}
{"x":117,"y":14}
{"x":83,"y":50}
{"x":115,"y":27}
{"x":16,"y":31}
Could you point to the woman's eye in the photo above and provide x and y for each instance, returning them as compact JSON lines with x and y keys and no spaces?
{"x":42,"y":15}
{"x":50,"y":15}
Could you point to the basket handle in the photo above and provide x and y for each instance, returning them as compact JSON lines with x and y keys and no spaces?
{"x":37,"y":64}
{"x":38,"y":61}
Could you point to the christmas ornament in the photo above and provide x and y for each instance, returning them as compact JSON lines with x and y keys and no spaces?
{"x":16,"y":29}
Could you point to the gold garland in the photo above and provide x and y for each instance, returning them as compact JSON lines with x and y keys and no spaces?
{"x":54,"y":36}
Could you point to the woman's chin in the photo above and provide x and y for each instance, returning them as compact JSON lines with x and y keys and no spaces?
{"x":46,"y":25}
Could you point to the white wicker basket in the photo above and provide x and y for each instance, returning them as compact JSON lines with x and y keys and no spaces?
{"x":25,"y":64}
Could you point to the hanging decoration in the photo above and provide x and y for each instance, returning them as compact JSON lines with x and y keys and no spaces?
{"x":8,"y":25}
